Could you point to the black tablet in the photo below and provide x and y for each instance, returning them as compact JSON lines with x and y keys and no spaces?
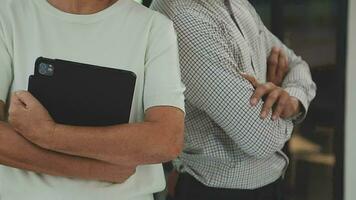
{"x":81,"y":94}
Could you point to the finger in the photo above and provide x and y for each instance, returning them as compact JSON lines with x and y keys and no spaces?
{"x":15,"y":101}
{"x":282,"y":68}
{"x":261,"y":91}
{"x":281,"y":106}
{"x":269,"y":102}
{"x":251,"y":79}
{"x":272,"y":64}
{"x":15,"y":105}
{"x":26,"y":98}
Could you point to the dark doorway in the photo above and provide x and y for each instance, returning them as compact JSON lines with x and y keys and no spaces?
{"x":316,"y":30}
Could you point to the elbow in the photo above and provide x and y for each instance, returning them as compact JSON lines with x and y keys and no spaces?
{"x":173,"y":144}
{"x":175,"y":150}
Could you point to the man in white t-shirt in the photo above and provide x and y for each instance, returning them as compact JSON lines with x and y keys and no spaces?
{"x":41,"y":159}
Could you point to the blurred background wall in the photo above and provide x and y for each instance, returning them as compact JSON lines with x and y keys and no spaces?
{"x":350,"y":153}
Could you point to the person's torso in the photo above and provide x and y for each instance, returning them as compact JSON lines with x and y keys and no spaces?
{"x":116,"y":37}
{"x":207,"y":146}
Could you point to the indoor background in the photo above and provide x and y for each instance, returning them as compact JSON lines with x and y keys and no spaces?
{"x":323,"y":33}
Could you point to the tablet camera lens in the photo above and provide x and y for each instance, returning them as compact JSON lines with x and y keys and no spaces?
{"x":46,"y":69}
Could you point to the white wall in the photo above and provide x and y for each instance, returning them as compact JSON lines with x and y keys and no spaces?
{"x":350,"y":159}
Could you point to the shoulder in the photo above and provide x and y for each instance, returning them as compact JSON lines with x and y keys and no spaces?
{"x":179,"y":8}
{"x":251,"y":9}
{"x":5,"y":3}
{"x":14,"y":8}
{"x":147,"y":16}
{"x":12,"y":5}
{"x":9,"y":10}
{"x":187,"y":13}
{"x":144,"y":13}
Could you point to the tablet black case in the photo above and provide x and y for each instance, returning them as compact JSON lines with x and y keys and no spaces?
{"x":84,"y":95}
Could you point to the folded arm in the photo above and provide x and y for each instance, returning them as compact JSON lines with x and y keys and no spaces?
{"x":17,"y":152}
{"x":215,"y":86}
{"x":158,"y":139}
{"x":298,"y":81}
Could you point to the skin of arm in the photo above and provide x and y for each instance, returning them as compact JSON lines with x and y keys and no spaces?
{"x":39,"y":160}
{"x":158,"y":139}
{"x":277,"y":66}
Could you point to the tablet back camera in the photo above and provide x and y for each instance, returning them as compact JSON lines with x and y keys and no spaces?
{"x":46,"y":69}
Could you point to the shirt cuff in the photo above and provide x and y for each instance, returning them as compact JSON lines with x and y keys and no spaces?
{"x":302,"y":97}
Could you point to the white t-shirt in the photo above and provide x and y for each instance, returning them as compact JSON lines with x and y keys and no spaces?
{"x":126,"y":36}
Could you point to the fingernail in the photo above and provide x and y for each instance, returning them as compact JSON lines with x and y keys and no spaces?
{"x":274,"y":118}
{"x":253,"y":102}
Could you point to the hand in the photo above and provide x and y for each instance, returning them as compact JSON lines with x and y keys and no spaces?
{"x":284,"y":105}
{"x":277,"y":66}
{"x":29,"y":118}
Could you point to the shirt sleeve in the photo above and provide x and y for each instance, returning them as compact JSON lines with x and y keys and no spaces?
{"x":298,"y":82}
{"x":163,"y":85}
{"x":5,"y":68}
{"x":214,"y":86}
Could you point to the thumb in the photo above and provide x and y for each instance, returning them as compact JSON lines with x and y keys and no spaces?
{"x":15,"y":104}
{"x":15,"y":101}
{"x":250,"y":78}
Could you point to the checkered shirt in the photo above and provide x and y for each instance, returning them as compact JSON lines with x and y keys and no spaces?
{"x":227,"y":144}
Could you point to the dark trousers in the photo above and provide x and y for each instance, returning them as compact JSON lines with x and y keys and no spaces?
{"x":188,"y":188}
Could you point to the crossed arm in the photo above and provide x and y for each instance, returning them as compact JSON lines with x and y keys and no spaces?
{"x":109,"y":158}
{"x":224,"y":94}
{"x":16,"y":151}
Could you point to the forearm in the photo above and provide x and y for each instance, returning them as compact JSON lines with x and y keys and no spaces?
{"x":17,"y":152}
{"x":136,"y":144}
{"x":257,"y":137}
{"x":298,"y":81}
{"x":230,"y":107}
{"x":158,"y":139}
